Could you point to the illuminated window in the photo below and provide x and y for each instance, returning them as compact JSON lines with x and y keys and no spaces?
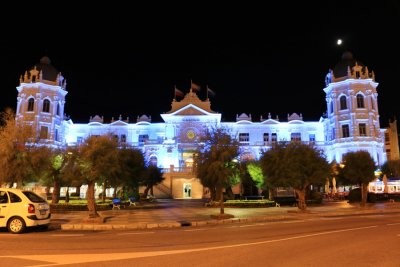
{"x":243,"y":137}
{"x":345,"y":131}
{"x":362,"y":127}
{"x":343,"y":102}
{"x":360,"y":101}
{"x":31,"y":104}
{"x":153,"y":161}
{"x":295,"y":137}
{"x":266,"y":137}
{"x":46,"y":105}
{"x":143,"y":138}
{"x":274,"y":138}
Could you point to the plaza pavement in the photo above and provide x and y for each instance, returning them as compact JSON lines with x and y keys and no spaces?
{"x":191,"y":213}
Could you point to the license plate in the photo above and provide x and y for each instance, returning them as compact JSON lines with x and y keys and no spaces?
{"x":42,"y":212}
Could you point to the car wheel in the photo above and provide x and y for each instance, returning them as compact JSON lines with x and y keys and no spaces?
{"x":16,"y":225}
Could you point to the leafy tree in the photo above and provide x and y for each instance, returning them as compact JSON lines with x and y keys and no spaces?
{"x":97,"y":160}
{"x":131,"y":170}
{"x":215,"y":161}
{"x":256,"y":174}
{"x":14,"y":150}
{"x":48,"y":164}
{"x":359,"y":167}
{"x":391,"y":168}
{"x":296,"y":165}
{"x":152,"y":177}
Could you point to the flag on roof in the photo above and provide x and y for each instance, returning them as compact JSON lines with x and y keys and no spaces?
{"x":178,"y":93}
{"x":210,"y":92}
{"x":194,"y":86}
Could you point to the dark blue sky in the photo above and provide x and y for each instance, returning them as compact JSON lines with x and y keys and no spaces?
{"x":126,"y":60}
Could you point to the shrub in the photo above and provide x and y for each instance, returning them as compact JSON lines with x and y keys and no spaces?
{"x":355,"y":195}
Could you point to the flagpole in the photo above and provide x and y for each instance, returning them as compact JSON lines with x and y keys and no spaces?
{"x":175,"y":92}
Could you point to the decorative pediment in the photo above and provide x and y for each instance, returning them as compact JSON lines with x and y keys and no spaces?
{"x":243,"y":117}
{"x":190,"y":111}
{"x":118,"y":123}
{"x":144,"y":118}
{"x":295,"y":116}
{"x":96,"y":118}
{"x":270,"y":121}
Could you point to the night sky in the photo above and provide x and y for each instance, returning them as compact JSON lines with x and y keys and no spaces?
{"x":257,"y":59}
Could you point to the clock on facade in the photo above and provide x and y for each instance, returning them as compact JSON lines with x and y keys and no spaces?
{"x":190,"y":134}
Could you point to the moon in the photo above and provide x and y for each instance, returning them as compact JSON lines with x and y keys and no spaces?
{"x":339,"y":41}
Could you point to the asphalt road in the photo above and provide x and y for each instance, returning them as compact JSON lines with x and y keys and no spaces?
{"x":366,"y":240}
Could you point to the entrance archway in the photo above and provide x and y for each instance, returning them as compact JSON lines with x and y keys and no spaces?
{"x":187,"y":190}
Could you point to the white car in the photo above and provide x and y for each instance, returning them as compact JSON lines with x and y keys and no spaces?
{"x":21,"y":208}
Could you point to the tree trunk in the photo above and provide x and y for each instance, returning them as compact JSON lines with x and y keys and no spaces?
{"x":103,"y":196}
{"x":229,"y":193}
{"x":78,"y":191}
{"x":55,"y":197}
{"x":67,"y":196}
{"x":146,"y":191}
{"x":91,"y":202}
{"x":221,"y":201}
{"x":301,"y":198}
{"x":364,"y":192}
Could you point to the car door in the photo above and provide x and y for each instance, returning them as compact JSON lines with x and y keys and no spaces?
{"x":4,"y":200}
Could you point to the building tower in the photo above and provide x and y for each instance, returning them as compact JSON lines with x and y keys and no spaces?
{"x":352,"y":121}
{"x":41,"y":100}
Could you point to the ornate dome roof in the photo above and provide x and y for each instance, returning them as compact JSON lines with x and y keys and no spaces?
{"x":340,"y":69}
{"x":48,"y":71}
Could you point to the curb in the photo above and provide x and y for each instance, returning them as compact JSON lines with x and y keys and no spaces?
{"x":177,"y":224}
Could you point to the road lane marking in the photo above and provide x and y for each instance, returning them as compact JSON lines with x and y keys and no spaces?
{"x":136,"y":233}
{"x":192,"y":230}
{"x":67,"y":235}
{"x":61,"y":259}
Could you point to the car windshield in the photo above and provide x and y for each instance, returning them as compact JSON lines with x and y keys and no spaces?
{"x":33,"y":197}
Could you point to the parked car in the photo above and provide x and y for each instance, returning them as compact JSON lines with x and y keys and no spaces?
{"x":20,"y":209}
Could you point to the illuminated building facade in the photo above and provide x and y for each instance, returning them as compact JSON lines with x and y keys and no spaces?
{"x":351,"y":123}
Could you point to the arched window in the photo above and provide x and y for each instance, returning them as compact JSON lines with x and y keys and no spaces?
{"x":153,"y":161}
{"x":343,"y":102}
{"x":31,"y":104}
{"x":360,"y":101}
{"x":46,"y":105}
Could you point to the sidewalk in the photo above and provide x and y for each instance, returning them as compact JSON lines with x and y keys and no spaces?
{"x":180,"y":213}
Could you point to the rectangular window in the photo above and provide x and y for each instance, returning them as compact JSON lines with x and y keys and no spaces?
{"x":243,"y":137}
{"x":123,"y":138}
{"x":56,"y":135}
{"x":116,"y":138}
{"x":311,"y":137}
{"x":266,"y":137}
{"x":274,"y":138}
{"x":295,"y":137}
{"x":44,"y":132}
{"x":79,"y":140}
{"x":143,"y":138}
{"x":333,"y":133}
{"x":362,"y":127}
{"x":345,"y":131}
